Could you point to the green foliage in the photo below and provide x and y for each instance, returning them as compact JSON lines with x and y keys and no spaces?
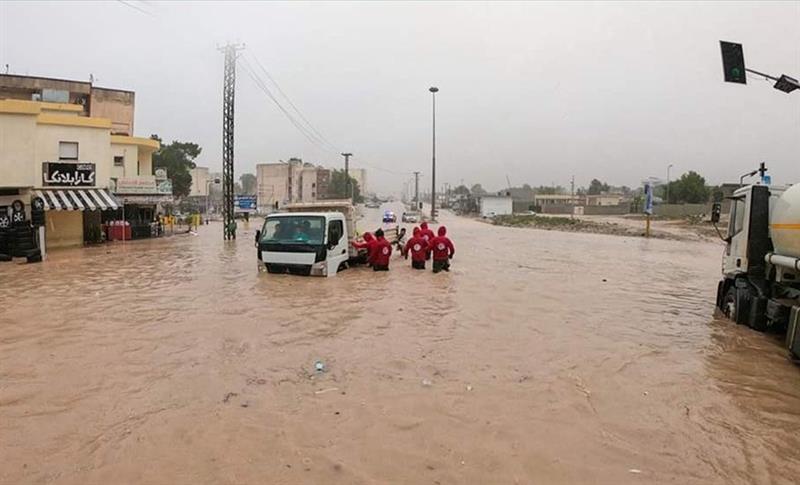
{"x":477,"y":190}
{"x":337,"y":188}
{"x":461,"y":190}
{"x":549,"y":190}
{"x":597,"y":187}
{"x":248,"y":181}
{"x":177,"y":158}
{"x":689,"y":189}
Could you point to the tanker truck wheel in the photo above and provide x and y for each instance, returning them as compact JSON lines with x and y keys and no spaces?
{"x":736,"y":304}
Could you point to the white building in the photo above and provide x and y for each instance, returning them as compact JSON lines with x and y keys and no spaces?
{"x":495,"y":205}
{"x":360,"y":176}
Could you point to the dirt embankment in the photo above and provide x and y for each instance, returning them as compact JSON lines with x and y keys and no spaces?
{"x":632,"y":226}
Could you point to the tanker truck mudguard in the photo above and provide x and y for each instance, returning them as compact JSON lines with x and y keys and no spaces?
{"x":760,"y":284}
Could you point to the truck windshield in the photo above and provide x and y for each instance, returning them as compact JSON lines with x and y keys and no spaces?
{"x":294,"y":230}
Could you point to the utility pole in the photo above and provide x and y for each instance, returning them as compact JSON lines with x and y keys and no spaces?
{"x":572,"y":196}
{"x":228,"y":95}
{"x":347,"y":188}
{"x":416,"y":191}
{"x":433,"y":91}
{"x":666,"y":201}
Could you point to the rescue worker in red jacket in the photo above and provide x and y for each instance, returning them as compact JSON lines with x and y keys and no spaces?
{"x":369,"y":245}
{"x":383,"y":251}
{"x":418,"y":248}
{"x":426,"y":234}
{"x":443,"y":251}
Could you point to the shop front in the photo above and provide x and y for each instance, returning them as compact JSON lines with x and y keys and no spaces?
{"x":143,"y":199}
{"x":74,"y":216}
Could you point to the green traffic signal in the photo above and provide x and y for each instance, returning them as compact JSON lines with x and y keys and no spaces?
{"x":733,"y":62}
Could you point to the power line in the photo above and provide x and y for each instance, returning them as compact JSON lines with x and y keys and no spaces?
{"x":319,"y":135}
{"x":139,"y":9}
{"x":264,"y":88}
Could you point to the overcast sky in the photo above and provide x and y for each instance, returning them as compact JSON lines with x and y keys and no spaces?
{"x":533,"y":91}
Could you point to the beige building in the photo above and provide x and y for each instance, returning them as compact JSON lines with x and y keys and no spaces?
{"x":287,"y":182}
{"x":557,"y":199}
{"x":604,"y":199}
{"x":200,"y":182}
{"x":73,"y":161}
{"x":360,"y":176}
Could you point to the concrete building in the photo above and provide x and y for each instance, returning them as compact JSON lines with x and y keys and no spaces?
{"x":201,"y":179}
{"x":495,"y":205}
{"x":288,"y":182}
{"x":542,"y":200}
{"x":116,"y":105}
{"x":360,"y":176}
{"x":604,"y":199}
{"x":75,"y":162}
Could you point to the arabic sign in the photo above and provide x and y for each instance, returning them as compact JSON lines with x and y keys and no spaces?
{"x":245,"y":203}
{"x":136,"y":185}
{"x":66,"y":174}
{"x":164,"y":186}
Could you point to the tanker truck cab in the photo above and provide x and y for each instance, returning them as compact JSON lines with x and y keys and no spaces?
{"x":760,"y":285}
{"x":304,"y":243}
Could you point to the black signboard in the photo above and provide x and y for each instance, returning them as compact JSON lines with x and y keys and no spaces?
{"x":65,"y":174}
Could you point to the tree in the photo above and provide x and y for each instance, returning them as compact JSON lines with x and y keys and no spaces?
{"x":547,"y":190}
{"x":337,"y":188}
{"x":689,"y":189}
{"x":477,"y":189}
{"x":461,"y":190}
{"x":177,"y":158}
{"x":249,"y":182}
{"x":597,"y":187}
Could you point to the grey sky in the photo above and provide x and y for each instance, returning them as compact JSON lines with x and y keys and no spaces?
{"x":534,"y":91}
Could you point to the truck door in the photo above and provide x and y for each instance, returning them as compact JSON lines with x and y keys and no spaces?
{"x":736,"y":252}
{"x":337,"y":246}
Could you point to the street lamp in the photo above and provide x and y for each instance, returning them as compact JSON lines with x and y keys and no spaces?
{"x":433,"y":90}
{"x":668,"y":167}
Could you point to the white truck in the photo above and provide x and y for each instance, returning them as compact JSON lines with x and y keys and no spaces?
{"x":760,"y":286}
{"x":314,"y":238}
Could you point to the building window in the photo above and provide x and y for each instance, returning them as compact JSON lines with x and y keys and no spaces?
{"x":67,"y":150}
{"x":119,"y":161}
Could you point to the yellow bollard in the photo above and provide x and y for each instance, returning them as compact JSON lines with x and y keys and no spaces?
{"x":647,"y":227}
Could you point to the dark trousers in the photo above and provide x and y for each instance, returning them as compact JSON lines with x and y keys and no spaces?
{"x":418,"y":264}
{"x":380,"y":268}
{"x":442,"y":264}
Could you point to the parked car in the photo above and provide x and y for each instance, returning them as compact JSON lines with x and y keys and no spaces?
{"x":410,"y":217}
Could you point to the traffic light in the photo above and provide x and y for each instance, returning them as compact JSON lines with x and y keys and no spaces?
{"x":733,"y":62}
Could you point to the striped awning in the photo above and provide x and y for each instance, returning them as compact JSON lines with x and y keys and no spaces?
{"x":77,"y":199}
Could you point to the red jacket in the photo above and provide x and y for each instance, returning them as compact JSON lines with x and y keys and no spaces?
{"x":441,"y":246}
{"x":382,"y":253}
{"x":418,"y":247}
{"x":425,"y":233}
{"x":368,"y":244}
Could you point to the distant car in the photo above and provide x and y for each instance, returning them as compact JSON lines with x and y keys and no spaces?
{"x":410,"y":217}
{"x":529,"y":213}
{"x":389,"y":216}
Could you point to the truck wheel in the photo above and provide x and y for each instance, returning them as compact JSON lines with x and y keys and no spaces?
{"x":736,"y":304}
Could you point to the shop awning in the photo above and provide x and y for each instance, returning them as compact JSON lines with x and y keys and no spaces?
{"x":77,"y":199}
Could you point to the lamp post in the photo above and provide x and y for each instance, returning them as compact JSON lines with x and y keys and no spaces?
{"x":667,"y":197}
{"x":433,"y":90}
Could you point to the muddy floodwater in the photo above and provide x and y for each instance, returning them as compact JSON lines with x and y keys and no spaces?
{"x":542,"y":357}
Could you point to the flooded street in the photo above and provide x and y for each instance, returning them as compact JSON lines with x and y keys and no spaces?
{"x":542,"y":357}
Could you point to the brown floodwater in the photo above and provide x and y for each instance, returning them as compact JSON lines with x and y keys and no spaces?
{"x":542,"y":357}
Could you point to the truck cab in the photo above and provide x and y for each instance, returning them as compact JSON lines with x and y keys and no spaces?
{"x":304,"y":243}
{"x":760,"y":285}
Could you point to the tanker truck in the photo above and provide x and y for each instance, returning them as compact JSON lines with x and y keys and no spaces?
{"x":760,"y":286}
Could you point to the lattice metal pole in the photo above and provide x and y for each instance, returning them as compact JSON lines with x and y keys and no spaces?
{"x":228,"y":95}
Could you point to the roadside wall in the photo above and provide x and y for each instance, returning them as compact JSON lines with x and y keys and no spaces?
{"x":589,"y":210}
{"x":683,"y":210}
